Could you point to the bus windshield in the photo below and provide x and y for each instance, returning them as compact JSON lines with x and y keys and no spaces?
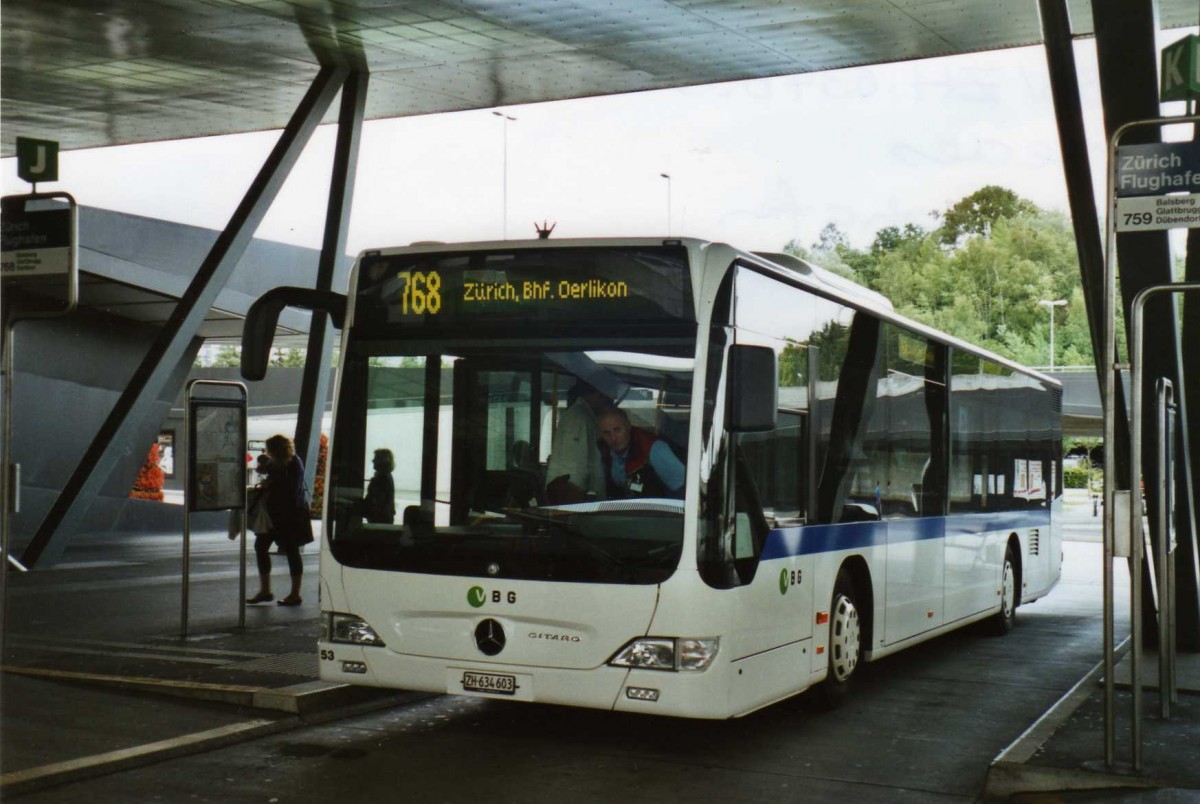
{"x":476,"y":458}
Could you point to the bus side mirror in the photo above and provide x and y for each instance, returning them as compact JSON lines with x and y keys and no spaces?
{"x":753,"y":398}
{"x":258,"y":330}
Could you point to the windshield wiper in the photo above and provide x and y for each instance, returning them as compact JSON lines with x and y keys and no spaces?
{"x":561,"y":527}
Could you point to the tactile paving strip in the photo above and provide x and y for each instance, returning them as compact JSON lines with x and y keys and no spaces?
{"x":293,"y":664}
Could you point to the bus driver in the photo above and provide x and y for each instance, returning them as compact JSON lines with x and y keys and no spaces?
{"x":636,"y":462}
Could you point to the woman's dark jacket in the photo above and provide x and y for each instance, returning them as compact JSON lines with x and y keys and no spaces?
{"x":291,"y":523}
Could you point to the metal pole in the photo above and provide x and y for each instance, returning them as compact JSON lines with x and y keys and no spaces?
{"x":1136,"y":335}
{"x":242,"y":572}
{"x":7,"y":490}
{"x":504,"y":221}
{"x":187,"y":555}
{"x":185,"y":563}
{"x":314,"y":388}
{"x":1137,"y":542}
{"x":1111,"y":367}
{"x":667,"y":176}
{"x":1138,"y":311}
{"x":1110,"y":458}
{"x":505,"y":118}
{"x":1050,"y":304}
{"x":1166,"y":594}
{"x":1052,"y":338}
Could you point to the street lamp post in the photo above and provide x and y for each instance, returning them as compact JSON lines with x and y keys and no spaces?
{"x":1050,"y":305}
{"x":504,"y":192}
{"x":667,"y":176}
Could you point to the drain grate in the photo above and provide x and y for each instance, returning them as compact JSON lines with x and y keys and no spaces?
{"x":292,"y":664}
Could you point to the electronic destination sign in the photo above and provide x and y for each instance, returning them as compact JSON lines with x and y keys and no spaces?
{"x":565,"y":284}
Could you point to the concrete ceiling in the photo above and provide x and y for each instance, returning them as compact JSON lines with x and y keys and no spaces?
{"x":91,"y":73}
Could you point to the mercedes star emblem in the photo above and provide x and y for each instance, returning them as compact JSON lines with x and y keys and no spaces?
{"x":489,"y":637}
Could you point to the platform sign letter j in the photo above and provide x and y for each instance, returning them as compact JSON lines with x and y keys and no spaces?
{"x":37,"y":160}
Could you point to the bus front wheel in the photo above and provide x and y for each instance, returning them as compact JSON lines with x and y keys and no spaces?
{"x":845,"y":641}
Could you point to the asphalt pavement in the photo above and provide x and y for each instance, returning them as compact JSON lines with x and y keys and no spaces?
{"x":98,"y":676}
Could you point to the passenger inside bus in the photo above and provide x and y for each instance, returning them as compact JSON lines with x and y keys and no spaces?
{"x":574,"y":473}
{"x":380,"y":503}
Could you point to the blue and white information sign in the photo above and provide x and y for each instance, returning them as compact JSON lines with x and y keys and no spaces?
{"x":1158,"y":168}
{"x":1158,"y":186}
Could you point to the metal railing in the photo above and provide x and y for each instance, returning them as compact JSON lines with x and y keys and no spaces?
{"x":1124,"y":535}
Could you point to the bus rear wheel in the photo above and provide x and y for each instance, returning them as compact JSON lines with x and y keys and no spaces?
{"x":845,"y":642}
{"x":1002,"y":621}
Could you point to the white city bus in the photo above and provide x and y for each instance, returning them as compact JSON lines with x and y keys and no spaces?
{"x":856,"y":483}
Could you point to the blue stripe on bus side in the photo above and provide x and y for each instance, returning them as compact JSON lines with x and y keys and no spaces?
{"x":811,"y":539}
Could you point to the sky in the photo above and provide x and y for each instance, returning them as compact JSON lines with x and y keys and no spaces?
{"x":752,"y":163}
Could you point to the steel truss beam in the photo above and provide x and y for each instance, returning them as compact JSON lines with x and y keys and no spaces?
{"x":314,"y":389}
{"x":1068,"y":113}
{"x":152,"y":375}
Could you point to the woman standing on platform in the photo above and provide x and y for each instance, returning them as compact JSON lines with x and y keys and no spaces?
{"x":291,"y":524}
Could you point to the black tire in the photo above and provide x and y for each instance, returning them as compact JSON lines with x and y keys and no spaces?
{"x":845,"y":642}
{"x":1003,"y":621}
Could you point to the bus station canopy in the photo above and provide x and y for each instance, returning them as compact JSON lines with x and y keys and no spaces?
{"x":90,"y":74}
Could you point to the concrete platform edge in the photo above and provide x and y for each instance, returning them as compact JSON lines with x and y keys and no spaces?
{"x":323,"y":705}
{"x":1006,"y":779}
{"x":1010,"y":772}
{"x":45,"y":776}
{"x":235,"y":694}
{"x":297,"y":699}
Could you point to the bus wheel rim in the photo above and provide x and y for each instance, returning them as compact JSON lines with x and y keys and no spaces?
{"x":1007,"y":590}
{"x":844,"y":639}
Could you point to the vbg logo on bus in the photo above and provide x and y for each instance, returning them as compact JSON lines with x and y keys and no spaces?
{"x":477,"y":596}
{"x":788,"y":578}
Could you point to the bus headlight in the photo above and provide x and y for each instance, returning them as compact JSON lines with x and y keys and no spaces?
{"x":667,"y":653}
{"x":352,"y":630}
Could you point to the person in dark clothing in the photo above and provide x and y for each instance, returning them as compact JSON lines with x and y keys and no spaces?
{"x":636,"y":462}
{"x":380,"y":503}
{"x":291,"y":524}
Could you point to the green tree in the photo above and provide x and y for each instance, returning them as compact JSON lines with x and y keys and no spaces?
{"x":917,"y":277}
{"x":288,"y":357}
{"x":979,"y":276}
{"x":890,"y":238}
{"x":793,"y":365}
{"x":832,"y":251}
{"x":867,"y":264}
{"x":979,"y":212}
{"x":227,"y":356}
